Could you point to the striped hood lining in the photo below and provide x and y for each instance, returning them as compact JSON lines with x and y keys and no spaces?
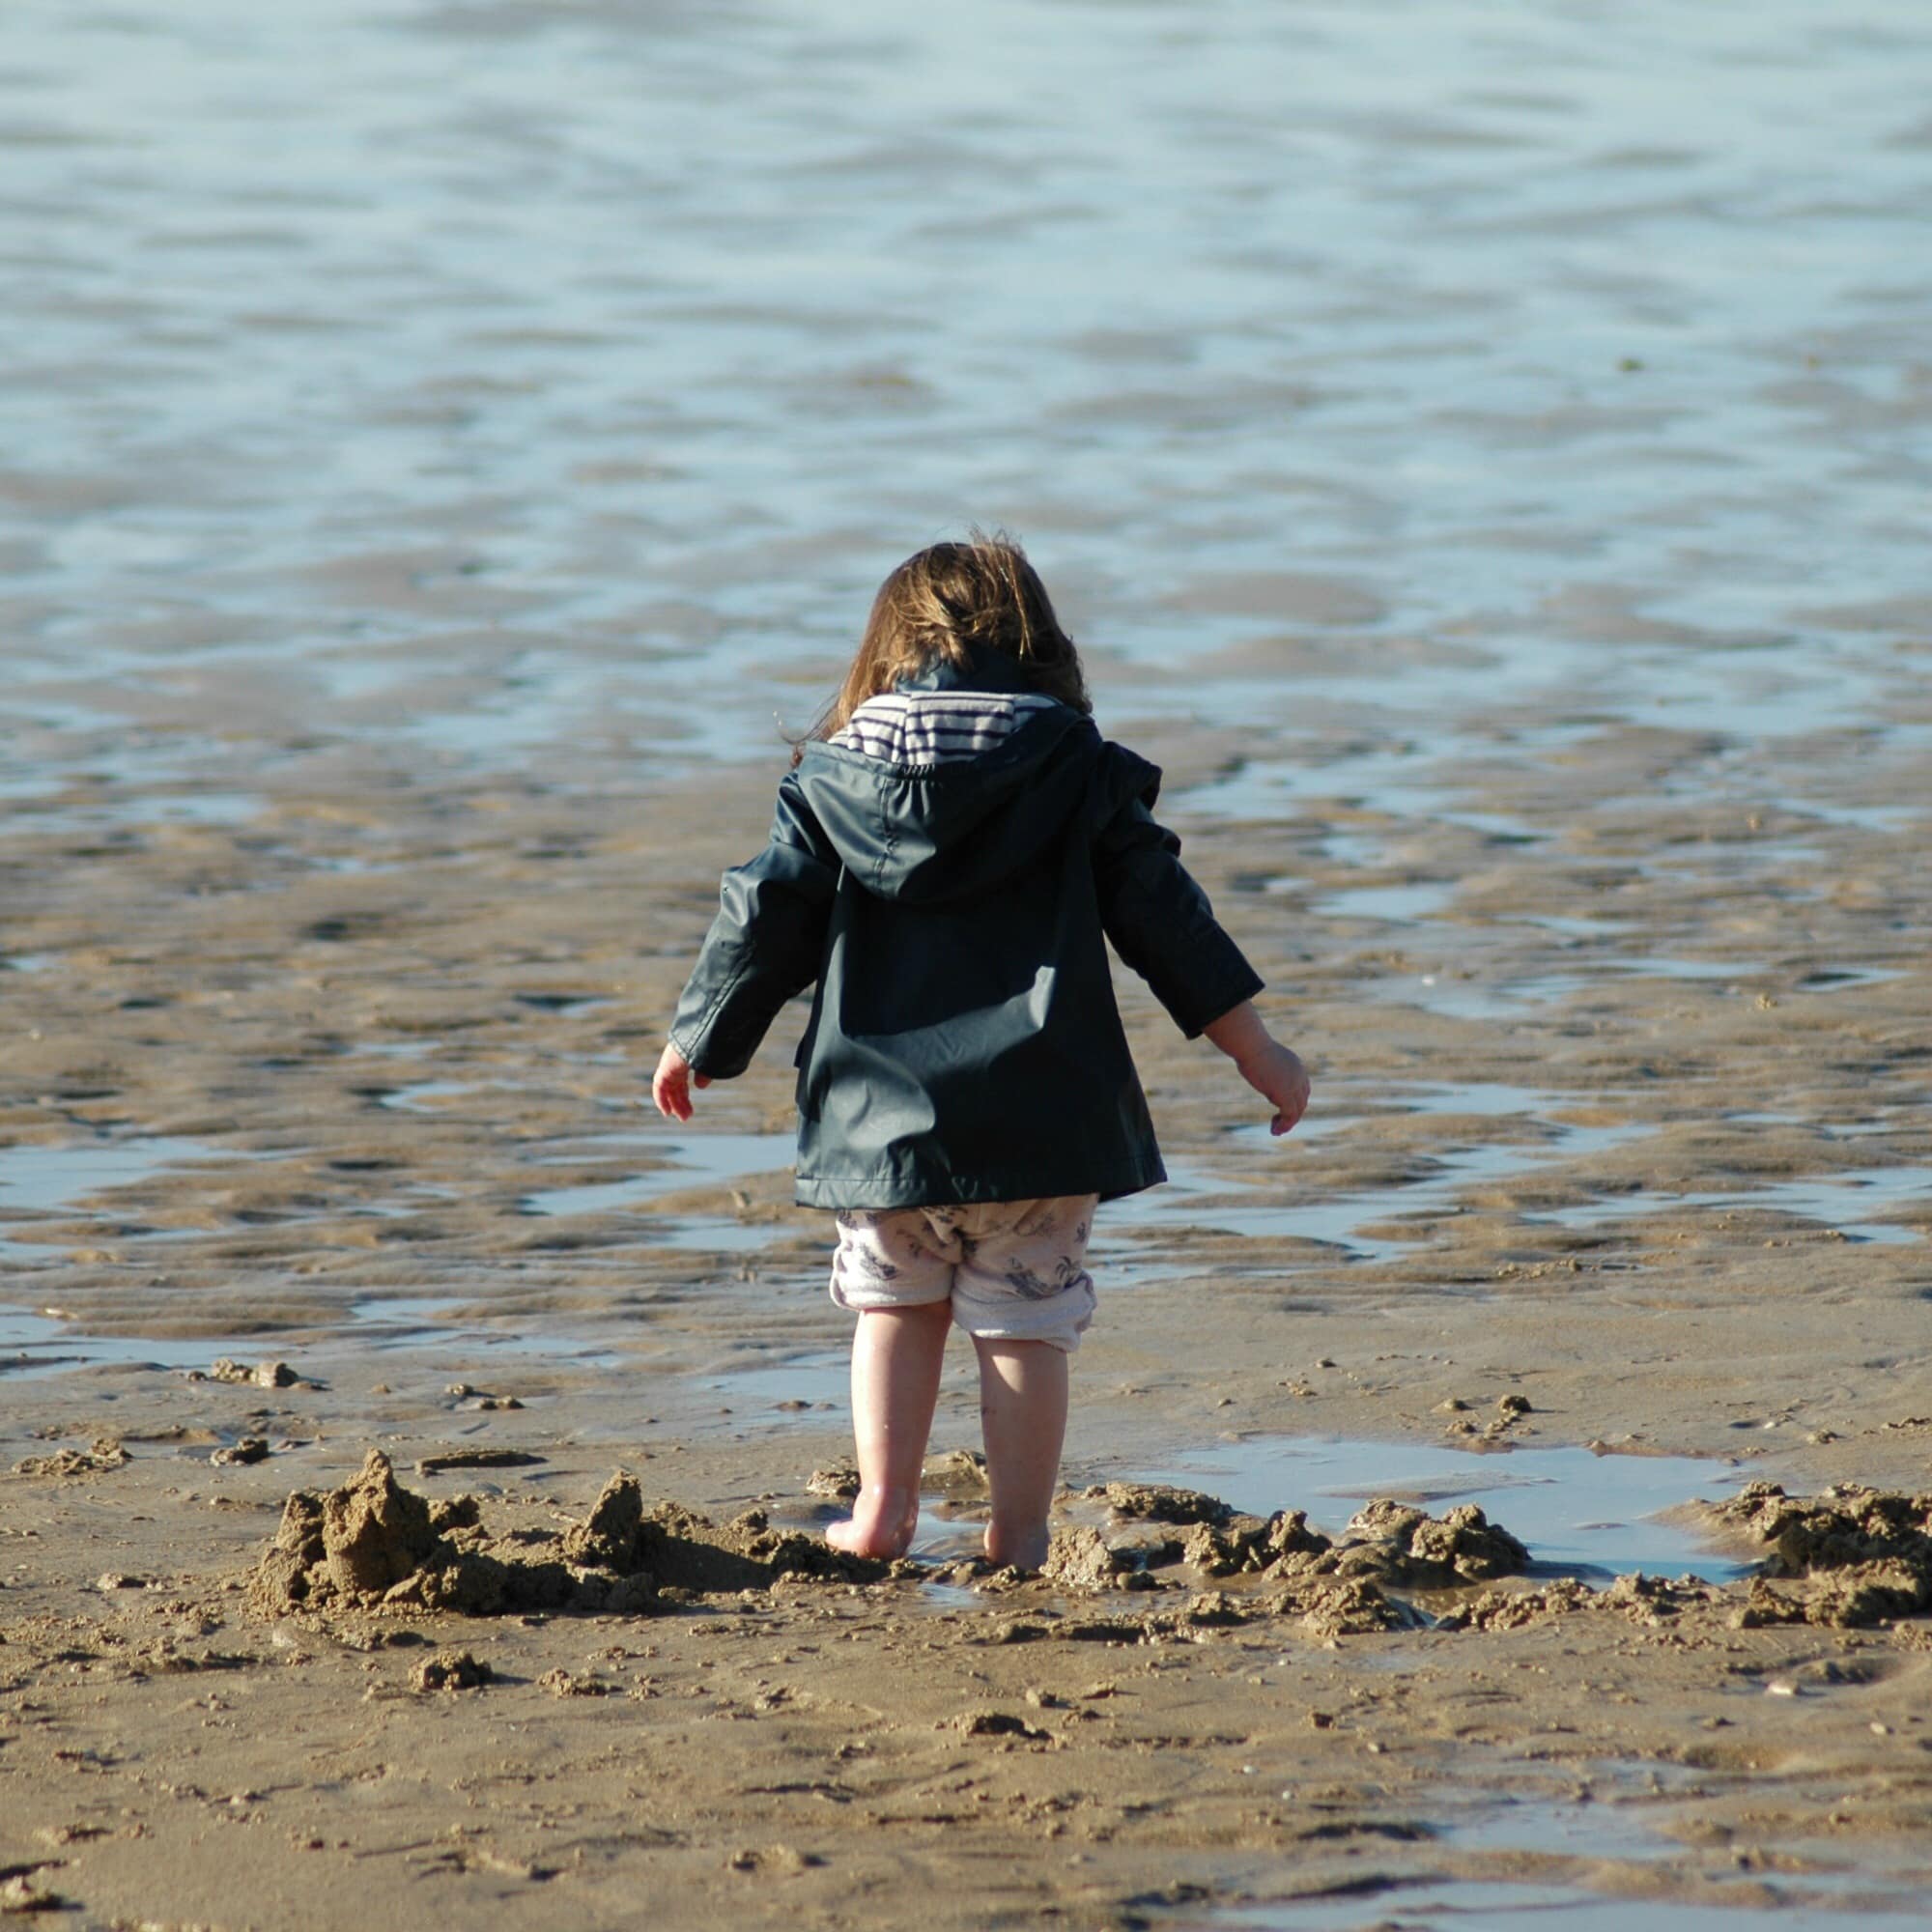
{"x":935,"y":727}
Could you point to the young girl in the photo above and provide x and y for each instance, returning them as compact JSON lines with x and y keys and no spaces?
{"x":950,"y":856}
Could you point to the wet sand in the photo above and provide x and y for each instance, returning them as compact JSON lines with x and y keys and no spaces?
{"x":1482,"y":460}
{"x":1651,"y":1203}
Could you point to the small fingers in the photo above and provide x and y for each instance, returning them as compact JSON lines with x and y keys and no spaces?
{"x":668,"y":1091}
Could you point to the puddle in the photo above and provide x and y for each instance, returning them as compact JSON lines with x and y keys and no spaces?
{"x":1885,"y":819}
{"x":1477,"y":998}
{"x":945,"y":1533}
{"x":57,"y":1179}
{"x":1491,"y":1097}
{"x":1435,"y":1905}
{"x":1395,"y":904}
{"x":1579,"y":1513}
{"x":36,"y":1343}
{"x":41,"y":1344}
{"x":1563,"y":1828}
{"x":46,"y":1178}
{"x":1195,"y":1198}
{"x":412,"y":1099}
{"x":1391,"y":779}
{"x":451,"y":1321}
{"x":697,"y":1162}
{"x":775,"y":1392}
{"x":1837,"y":979}
{"x":136,"y":809}
{"x":1855,"y":1203}
{"x":1630,"y":1828}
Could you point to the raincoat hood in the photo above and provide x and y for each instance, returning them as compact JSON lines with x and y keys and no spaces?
{"x":929,"y":834}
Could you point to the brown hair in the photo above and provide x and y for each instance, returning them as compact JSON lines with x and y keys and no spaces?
{"x":939,"y":605}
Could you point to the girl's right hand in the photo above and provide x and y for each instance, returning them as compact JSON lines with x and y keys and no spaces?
{"x":672,"y":1082}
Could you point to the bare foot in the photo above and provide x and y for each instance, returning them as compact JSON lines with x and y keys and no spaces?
{"x":1023,"y":1549}
{"x":881,"y":1525}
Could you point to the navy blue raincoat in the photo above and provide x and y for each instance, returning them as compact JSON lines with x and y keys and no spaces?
{"x":953,"y":919}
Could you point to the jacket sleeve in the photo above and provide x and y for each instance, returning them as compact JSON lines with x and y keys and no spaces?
{"x":1161,"y":924}
{"x":766,"y":944}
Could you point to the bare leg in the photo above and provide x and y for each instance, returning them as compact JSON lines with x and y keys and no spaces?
{"x":1023,"y":1411}
{"x":896,"y":1354}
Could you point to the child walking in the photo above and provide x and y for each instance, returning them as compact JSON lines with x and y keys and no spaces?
{"x":951,"y":851}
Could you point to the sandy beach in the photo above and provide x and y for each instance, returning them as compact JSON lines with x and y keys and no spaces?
{"x":420,"y":1178}
{"x":1483,"y":462}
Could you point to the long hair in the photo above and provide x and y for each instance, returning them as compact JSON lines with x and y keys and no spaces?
{"x":939,"y":605}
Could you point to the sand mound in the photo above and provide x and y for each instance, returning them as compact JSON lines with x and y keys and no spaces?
{"x":1396,"y":1543}
{"x":374,"y":1544}
{"x":106,"y":1454}
{"x":1333,"y":1588}
{"x":1159,"y":1502}
{"x":1871,"y":1550}
{"x":1386,"y":1544}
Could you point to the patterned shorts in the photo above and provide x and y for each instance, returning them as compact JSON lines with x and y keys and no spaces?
{"x":1014,"y":1270}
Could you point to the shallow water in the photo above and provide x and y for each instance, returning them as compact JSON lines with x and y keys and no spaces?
{"x":1437,"y":1905}
{"x":544,"y":350}
{"x":44,"y":1178}
{"x":694,"y":1160}
{"x":38,"y":1345}
{"x":1196,"y":1197}
{"x":1858,"y":1203}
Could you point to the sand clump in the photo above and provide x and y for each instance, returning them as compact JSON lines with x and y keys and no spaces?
{"x":839,"y":1481}
{"x":1867,"y":1552}
{"x":1159,"y":1502}
{"x":1396,"y":1543}
{"x":273,"y":1375}
{"x":375,"y":1545}
{"x":1852,"y":1558}
{"x":105,"y":1454}
{"x":452,"y":1671}
{"x":1386,"y":1543}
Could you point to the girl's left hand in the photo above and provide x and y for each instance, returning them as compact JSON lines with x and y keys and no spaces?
{"x":672,"y":1082}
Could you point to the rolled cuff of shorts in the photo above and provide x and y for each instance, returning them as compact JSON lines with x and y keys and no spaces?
{"x":868,"y":1297}
{"x":1058,"y":1319}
